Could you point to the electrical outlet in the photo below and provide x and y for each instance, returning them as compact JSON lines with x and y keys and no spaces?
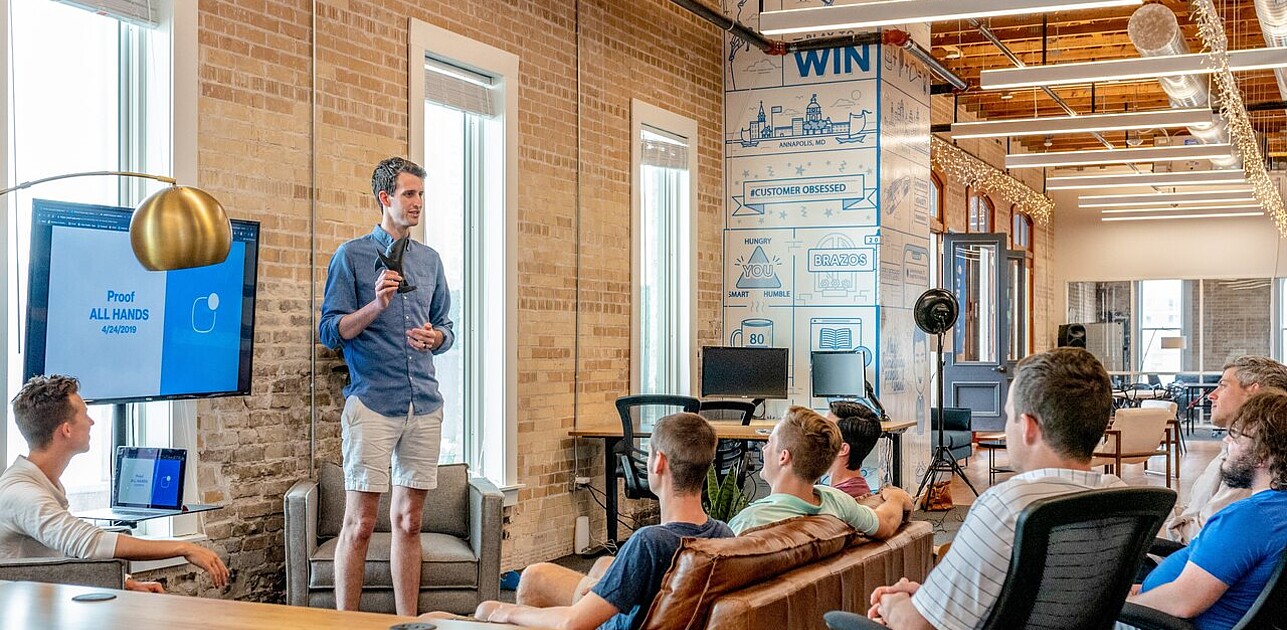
{"x":581,"y":482}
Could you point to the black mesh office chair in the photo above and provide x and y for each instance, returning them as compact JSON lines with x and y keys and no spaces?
{"x":638,"y":414}
{"x":1073,"y":563}
{"x":1269,"y":611}
{"x":729,"y":452}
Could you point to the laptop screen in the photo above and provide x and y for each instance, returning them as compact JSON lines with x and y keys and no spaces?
{"x":149,"y":477}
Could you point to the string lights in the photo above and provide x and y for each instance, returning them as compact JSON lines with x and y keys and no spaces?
{"x":960,"y":166}
{"x":1234,"y":113}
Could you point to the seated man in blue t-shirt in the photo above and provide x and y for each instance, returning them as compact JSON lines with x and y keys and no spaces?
{"x":800,"y":448}
{"x":1217,"y":578}
{"x":682,"y":447}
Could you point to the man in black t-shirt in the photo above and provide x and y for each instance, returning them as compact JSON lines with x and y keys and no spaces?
{"x":682,"y":447}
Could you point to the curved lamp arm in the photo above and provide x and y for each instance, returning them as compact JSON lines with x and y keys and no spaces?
{"x":159,"y":178}
{"x":176,"y":228}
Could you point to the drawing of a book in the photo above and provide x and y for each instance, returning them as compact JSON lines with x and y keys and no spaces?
{"x":835,"y":338}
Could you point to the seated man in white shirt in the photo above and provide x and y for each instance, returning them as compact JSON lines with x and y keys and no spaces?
{"x":1059,"y":405}
{"x":34,"y":521}
{"x":1241,"y":378}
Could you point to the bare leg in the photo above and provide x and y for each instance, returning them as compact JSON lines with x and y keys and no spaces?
{"x":405,"y":556}
{"x":350,"y":554}
{"x":544,"y":584}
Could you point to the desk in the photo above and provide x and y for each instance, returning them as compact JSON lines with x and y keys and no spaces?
{"x":50,"y":607}
{"x":755,"y":432}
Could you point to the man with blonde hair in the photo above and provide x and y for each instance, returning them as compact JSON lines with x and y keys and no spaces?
{"x":1241,"y":378}
{"x":800,"y":449}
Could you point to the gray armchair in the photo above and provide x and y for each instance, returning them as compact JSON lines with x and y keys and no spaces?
{"x":105,"y":573}
{"x":460,"y":536}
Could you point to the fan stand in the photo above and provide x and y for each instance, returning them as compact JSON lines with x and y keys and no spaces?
{"x":941,"y":461}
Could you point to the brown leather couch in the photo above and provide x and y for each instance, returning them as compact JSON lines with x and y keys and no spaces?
{"x":784,"y":576}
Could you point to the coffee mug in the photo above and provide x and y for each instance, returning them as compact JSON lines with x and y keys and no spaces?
{"x":754,"y":333}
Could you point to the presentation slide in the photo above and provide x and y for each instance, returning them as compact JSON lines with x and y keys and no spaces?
{"x":128,"y":332}
{"x":148,"y":481}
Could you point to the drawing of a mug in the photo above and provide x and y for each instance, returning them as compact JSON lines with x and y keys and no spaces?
{"x":754,"y":333}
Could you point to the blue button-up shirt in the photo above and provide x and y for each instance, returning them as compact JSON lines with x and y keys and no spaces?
{"x":385,"y":372}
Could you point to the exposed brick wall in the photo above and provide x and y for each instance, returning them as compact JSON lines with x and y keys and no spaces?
{"x":254,"y":156}
{"x":1237,"y":320}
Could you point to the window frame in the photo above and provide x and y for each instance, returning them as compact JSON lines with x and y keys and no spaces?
{"x":939,"y":221}
{"x":985,"y":202}
{"x":642,"y":115}
{"x":498,"y":410}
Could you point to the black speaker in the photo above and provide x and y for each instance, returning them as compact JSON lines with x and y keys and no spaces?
{"x":1073,"y":335}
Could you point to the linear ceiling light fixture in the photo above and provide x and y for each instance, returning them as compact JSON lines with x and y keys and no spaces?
{"x":1132,"y":180}
{"x":1117,"y":156}
{"x":1155,"y":199}
{"x":1239,"y":207}
{"x":1137,"y":69}
{"x":886,"y":12}
{"x":1052,"y":125}
{"x":1163,"y":217}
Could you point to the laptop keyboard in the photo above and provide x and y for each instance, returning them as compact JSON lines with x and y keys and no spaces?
{"x":120,"y":512}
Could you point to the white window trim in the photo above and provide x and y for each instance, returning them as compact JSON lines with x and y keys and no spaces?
{"x":642,"y":114}
{"x":179,"y":21}
{"x":499,"y":411}
{"x":5,"y":205}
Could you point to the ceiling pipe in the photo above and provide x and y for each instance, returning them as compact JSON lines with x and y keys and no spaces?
{"x":1018,"y":63}
{"x":1273,"y":24}
{"x":779,"y":48}
{"x":1155,"y":32}
{"x":900,"y":39}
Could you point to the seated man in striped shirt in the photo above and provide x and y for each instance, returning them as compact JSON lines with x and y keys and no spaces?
{"x":1059,"y":405}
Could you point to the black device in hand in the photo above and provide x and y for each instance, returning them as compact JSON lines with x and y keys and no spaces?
{"x":392,"y":260}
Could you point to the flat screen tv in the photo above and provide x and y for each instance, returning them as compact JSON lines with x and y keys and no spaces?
{"x":838,"y":374}
{"x":129,"y":334}
{"x":744,"y":372}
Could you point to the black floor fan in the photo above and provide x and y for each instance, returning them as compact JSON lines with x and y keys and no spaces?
{"x":935,"y":313}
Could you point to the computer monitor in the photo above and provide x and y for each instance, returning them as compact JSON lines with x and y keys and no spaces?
{"x":744,"y":372}
{"x":838,"y":374}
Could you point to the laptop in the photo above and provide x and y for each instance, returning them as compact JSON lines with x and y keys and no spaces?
{"x":148,"y":483}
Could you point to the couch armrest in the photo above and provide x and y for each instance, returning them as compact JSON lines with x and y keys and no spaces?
{"x":301,"y":538}
{"x":102,"y":573}
{"x":1146,"y":618}
{"x":485,"y":504}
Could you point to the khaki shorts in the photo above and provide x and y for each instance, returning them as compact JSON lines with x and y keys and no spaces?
{"x":372,"y":442}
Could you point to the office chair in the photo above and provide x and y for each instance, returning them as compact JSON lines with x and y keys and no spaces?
{"x":638,"y":414}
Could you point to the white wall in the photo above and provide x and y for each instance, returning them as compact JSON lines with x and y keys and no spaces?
{"x":1089,"y":249}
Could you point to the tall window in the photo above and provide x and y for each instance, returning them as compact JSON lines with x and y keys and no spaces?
{"x":464,"y":128}
{"x":88,"y":93}
{"x":981,"y":213}
{"x":1161,"y":316}
{"x":462,"y":136}
{"x":664,"y":160}
{"x":939,"y":222}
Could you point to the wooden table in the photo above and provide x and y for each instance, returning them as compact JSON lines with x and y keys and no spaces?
{"x":50,"y":607}
{"x":756,"y":431}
